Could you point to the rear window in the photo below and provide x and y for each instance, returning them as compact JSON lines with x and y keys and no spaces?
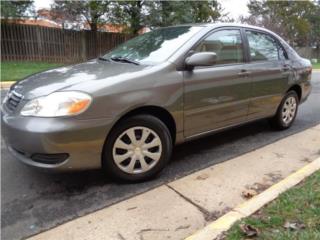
{"x":264,"y":47}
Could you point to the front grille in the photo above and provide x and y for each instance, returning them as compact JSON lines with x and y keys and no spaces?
{"x":13,"y":100}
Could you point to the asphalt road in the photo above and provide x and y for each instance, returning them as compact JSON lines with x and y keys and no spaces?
{"x":33,"y":201}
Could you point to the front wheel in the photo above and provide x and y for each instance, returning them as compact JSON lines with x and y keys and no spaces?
{"x":137,"y":149}
{"x":287,"y":111}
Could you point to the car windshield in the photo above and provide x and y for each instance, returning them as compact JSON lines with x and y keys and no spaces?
{"x":153,"y":47}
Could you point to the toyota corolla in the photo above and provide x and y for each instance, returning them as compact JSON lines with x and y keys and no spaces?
{"x":124,"y":111}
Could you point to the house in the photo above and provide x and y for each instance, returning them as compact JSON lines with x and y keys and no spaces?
{"x":35,"y":22}
{"x":47,"y":18}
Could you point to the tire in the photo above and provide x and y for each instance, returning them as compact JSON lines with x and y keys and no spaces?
{"x":129,"y":138}
{"x":286,"y":112}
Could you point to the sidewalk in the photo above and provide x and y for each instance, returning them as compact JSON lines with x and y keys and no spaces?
{"x":180,"y":208}
{"x":6,"y":85}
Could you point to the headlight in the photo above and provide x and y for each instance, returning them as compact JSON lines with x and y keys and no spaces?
{"x":57,"y":104}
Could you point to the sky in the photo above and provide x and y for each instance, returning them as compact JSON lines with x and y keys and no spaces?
{"x":235,"y":8}
{"x":42,"y":4}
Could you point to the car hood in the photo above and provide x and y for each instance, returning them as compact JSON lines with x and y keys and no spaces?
{"x":57,"y":79}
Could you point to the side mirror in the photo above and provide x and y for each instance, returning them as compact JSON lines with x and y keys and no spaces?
{"x":201,"y":59}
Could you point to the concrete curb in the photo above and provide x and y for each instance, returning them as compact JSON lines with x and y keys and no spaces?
{"x":245,"y":209}
{"x":315,"y":70}
{"x":5,"y":85}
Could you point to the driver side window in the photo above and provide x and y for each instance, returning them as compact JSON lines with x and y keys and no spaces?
{"x":227,"y":44}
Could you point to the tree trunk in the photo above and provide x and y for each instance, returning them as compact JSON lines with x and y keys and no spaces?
{"x":93,"y":26}
{"x":136,"y":17}
{"x":94,"y":29}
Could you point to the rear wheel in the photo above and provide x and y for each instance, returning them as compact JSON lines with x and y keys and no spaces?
{"x":138,"y":148}
{"x":287,"y":111}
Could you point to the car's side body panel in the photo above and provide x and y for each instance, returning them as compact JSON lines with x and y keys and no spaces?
{"x":160,"y":86}
{"x":214,"y":97}
{"x":269,"y":83}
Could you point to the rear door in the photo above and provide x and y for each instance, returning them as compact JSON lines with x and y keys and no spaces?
{"x":269,"y":70}
{"x":217,"y":96}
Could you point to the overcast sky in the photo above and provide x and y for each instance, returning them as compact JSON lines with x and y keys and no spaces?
{"x":235,"y":8}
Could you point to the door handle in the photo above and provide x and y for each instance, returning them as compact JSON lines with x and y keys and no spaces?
{"x":286,"y":68}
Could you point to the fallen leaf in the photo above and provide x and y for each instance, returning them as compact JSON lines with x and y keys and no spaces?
{"x":129,"y":209}
{"x":249,"y":230}
{"x":293,"y":226}
{"x":202,"y":177}
{"x":222,"y":236}
{"x":249,"y":193}
{"x":182,"y":227}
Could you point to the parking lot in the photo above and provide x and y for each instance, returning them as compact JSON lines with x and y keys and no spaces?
{"x":33,"y":201}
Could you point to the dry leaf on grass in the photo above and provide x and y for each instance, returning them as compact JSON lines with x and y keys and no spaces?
{"x":249,"y":230}
{"x":293,"y":225}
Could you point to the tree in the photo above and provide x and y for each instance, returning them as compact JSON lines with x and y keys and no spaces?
{"x":165,"y":13}
{"x":315,"y":27}
{"x":205,"y":11}
{"x":130,"y":14}
{"x":16,"y":9}
{"x":293,"y":20}
{"x":137,"y":14}
{"x":92,"y":12}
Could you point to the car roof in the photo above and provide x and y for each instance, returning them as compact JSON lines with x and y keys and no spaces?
{"x":211,"y":26}
{"x":221,"y":24}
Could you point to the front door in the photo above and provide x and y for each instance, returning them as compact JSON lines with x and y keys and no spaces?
{"x":217,"y":96}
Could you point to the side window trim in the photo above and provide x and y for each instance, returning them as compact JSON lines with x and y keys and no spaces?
{"x":268,"y":34}
{"x":244,"y":60}
{"x":246,"y":47}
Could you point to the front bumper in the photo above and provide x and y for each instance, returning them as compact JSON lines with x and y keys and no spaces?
{"x":79,"y":141}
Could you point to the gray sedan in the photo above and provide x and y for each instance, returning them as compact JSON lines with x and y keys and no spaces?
{"x":126,"y":110}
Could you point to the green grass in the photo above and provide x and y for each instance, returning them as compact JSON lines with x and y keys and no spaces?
{"x":316,"y":65}
{"x":13,"y":71}
{"x":300,"y":204}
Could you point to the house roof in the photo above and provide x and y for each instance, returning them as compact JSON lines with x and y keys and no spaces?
{"x":35,"y":22}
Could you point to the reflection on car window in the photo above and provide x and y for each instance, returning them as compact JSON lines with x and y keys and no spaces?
{"x":227,"y":44}
{"x":282,"y":54}
{"x":155,"y":46}
{"x":263,"y":47}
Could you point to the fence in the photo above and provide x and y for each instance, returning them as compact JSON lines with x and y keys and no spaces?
{"x":309,"y":52}
{"x":36,"y":43}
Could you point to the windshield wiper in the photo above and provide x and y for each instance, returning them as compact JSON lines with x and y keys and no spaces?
{"x":104,"y":59}
{"x":124,"y":59}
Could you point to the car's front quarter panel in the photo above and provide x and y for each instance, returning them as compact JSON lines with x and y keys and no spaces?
{"x":83,"y":136}
{"x":159,"y":86}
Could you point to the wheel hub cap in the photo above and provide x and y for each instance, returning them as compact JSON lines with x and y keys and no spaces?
{"x":137,"y":150}
{"x":289,"y":110}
